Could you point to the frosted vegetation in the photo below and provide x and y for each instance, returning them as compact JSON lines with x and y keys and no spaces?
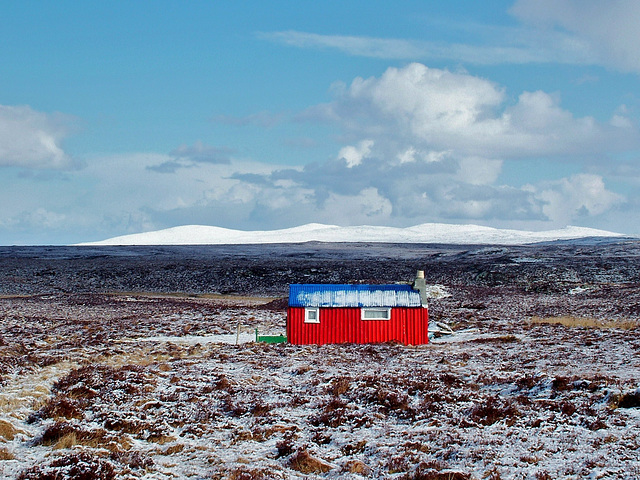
{"x":538,"y":385}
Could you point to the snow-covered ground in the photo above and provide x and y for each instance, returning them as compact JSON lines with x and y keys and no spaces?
{"x":156,"y":388}
{"x":426,"y":233}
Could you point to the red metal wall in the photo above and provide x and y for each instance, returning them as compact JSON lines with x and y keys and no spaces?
{"x":343,"y":325}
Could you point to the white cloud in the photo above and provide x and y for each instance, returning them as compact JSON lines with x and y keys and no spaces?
{"x":524,"y":46}
{"x":423,"y":145}
{"x":433,"y":143}
{"x":38,"y":218}
{"x":432,"y":109}
{"x":418,"y":144}
{"x":364,"y":207}
{"x":608,"y":30}
{"x":573,"y":197}
{"x":199,"y":152}
{"x":479,"y":171}
{"x":578,"y":32}
{"x":353,"y":155}
{"x":32,"y":139}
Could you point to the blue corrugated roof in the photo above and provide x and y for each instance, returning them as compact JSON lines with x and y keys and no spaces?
{"x":333,"y":295}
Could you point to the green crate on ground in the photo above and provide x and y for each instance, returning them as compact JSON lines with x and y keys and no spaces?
{"x":270,"y":338}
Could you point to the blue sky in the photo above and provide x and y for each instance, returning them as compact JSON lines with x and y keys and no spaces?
{"x":123,"y":117}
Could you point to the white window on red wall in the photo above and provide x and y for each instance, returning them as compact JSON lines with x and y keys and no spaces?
{"x":311,"y":315}
{"x":375,"y":314}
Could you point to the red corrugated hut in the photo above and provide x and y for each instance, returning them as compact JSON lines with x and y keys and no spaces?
{"x":334,"y":313}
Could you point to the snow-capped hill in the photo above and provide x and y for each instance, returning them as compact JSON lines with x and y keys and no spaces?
{"x":425,"y":233}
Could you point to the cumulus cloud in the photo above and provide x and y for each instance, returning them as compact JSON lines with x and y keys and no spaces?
{"x":437,"y":109}
{"x":577,"y":196}
{"x":420,"y":145}
{"x":32,"y":139}
{"x":432,"y":143}
{"x":605,"y":30}
{"x":353,"y":155}
{"x":38,"y":218}
{"x":417,"y":145}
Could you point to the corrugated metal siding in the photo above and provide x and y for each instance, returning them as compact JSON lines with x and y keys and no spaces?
{"x":343,"y":325}
{"x":331,"y":295}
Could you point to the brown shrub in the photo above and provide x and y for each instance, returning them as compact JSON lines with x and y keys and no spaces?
{"x":78,"y":466}
{"x":392,"y":402}
{"x":597,"y":424}
{"x":543,"y":475}
{"x":499,"y":339}
{"x":233,"y":408}
{"x":567,"y":408}
{"x":53,"y":433}
{"x":492,"y":474}
{"x":398,"y":464}
{"x":492,"y":411}
{"x":100,"y":380}
{"x":321,"y":437}
{"x":133,"y":427}
{"x":333,"y":414}
{"x":339,"y":386}
{"x":260,"y":409}
{"x":425,"y":472}
{"x":302,"y":370}
{"x":284,"y":447}
{"x":6,"y":454}
{"x":629,"y":400}
{"x":134,"y":460}
{"x":451,"y":380}
{"x":303,"y":462}
{"x":527,"y":382}
{"x":351,"y":449}
{"x":287,"y":430}
{"x":245,"y":473}
{"x":65,"y":435}
{"x":417,"y":447}
{"x":356,"y":466}
{"x":58,"y":407}
{"x":562,"y":384}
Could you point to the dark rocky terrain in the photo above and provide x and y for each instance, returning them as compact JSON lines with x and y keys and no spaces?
{"x":269,"y":269}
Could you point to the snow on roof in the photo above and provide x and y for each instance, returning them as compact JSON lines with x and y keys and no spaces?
{"x":337,"y":295}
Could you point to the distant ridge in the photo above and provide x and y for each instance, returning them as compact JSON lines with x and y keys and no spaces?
{"x":425,"y":233}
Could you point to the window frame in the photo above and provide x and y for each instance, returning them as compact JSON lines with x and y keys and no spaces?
{"x":364,"y":310}
{"x":308,"y":310}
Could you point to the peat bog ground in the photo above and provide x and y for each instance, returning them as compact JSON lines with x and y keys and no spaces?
{"x":134,"y":362}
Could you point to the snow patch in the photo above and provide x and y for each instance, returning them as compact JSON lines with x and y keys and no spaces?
{"x":437,"y":291}
{"x":229,"y":339}
{"x":425,"y":233}
{"x":578,"y":290}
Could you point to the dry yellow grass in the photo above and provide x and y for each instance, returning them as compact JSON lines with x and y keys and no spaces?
{"x":587,"y":322}
{"x":6,"y":454}
{"x":24,"y":394}
{"x":67,"y":441}
{"x":8,"y":431}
